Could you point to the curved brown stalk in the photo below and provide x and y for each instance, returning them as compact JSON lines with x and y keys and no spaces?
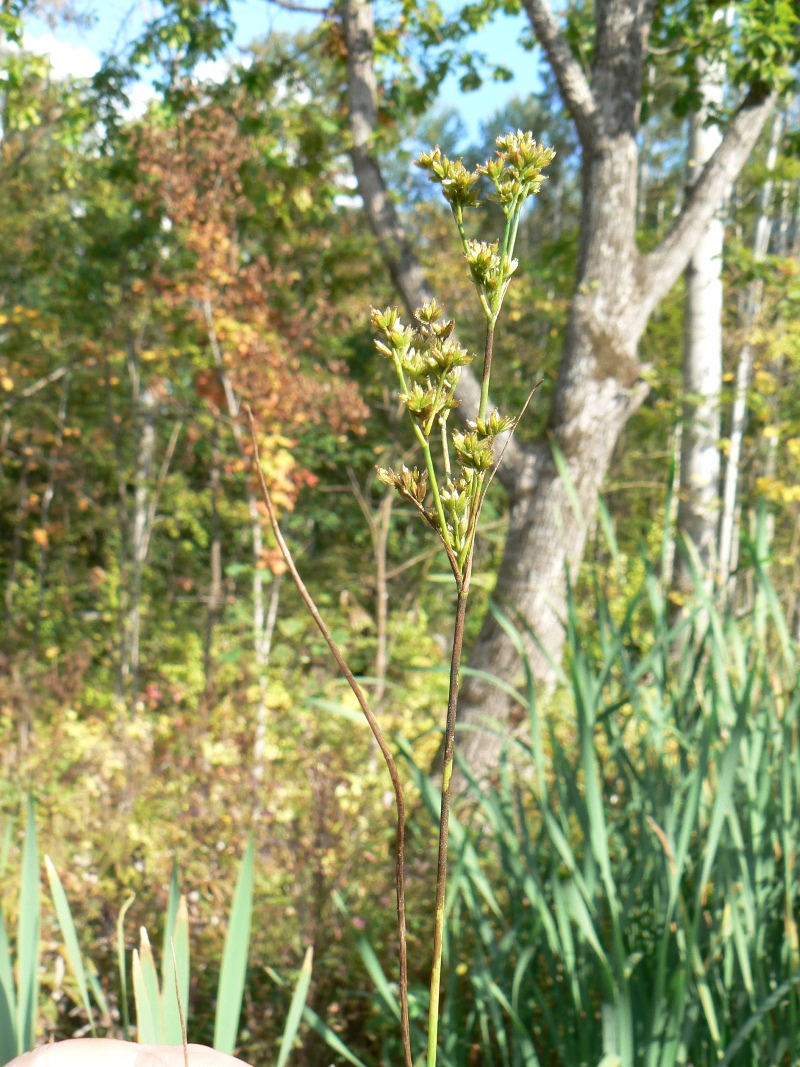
{"x":374,"y":726}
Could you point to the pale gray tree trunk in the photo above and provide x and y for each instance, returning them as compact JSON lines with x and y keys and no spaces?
{"x":214,"y":601}
{"x":146,"y":497}
{"x":728,"y":542}
{"x":617,"y":288}
{"x":698,"y":503}
{"x":379,"y":521}
{"x":145,"y":456}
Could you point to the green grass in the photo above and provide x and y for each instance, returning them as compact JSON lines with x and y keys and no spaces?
{"x":627,"y":890}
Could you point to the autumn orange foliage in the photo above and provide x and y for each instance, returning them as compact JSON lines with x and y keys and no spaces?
{"x":246,"y":306}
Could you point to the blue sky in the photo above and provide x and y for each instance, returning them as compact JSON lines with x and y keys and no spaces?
{"x":76,"y":50}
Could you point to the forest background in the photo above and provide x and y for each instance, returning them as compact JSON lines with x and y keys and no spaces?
{"x":162,"y":692}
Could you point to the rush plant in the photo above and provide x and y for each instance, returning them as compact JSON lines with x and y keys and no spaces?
{"x":458,"y":464}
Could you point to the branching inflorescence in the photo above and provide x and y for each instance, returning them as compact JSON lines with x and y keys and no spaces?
{"x":428,"y":360}
{"x":449,"y":492}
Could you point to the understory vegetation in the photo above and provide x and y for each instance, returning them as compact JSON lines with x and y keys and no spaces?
{"x":180,"y":762}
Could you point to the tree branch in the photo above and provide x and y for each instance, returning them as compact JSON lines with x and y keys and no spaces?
{"x":662,"y":267}
{"x":290,"y":6}
{"x":404,"y":267}
{"x":573,"y":86}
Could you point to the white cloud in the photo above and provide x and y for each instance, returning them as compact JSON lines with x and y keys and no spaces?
{"x":212,"y":70}
{"x":140,"y":95}
{"x":67,"y":60}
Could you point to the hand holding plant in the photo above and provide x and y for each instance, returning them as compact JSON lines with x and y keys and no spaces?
{"x":458,"y":464}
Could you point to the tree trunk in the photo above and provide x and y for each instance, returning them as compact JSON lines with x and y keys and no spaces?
{"x":379,"y":522}
{"x":617,"y":290}
{"x":698,"y":503}
{"x":214,"y":602}
{"x":47,"y":502}
{"x":728,"y":542}
{"x":598,"y":389}
{"x":142,"y":477}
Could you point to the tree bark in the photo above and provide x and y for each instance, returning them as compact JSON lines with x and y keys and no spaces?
{"x":214,"y":601}
{"x":142,"y":477}
{"x":379,"y":522}
{"x":698,"y":503}
{"x":599,"y":384}
{"x":728,"y":541}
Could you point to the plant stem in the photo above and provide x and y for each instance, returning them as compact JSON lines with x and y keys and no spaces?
{"x":377,"y":733}
{"x":444,"y":821}
{"x":487,"y":369}
{"x":426,"y":449}
{"x":445,"y":447}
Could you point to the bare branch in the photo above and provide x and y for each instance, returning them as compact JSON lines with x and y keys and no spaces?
{"x":162,"y":477}
{"x":289,"y":6}
{"x":662,"y":267}
{"x":572,"y":83}
{"x":54,"y":376}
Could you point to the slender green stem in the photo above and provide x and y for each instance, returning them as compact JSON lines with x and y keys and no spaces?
{"x":459,"y":217}
{"x":513,"y":242}
{"x":401,"y":376}
{"x":474,"y":515}
{"x":506,"y":255}
{"x":487,"y":369}
{"x":436,"y":399}
{"x":444,"y":821}
{"x":432,"y":482}
{"x":377,"y":733}
{"x":445,"y":446}
{"x":506,"y":235}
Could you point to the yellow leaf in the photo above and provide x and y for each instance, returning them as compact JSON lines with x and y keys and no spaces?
{"x":7,"y":383}
{"x":40,"y":537}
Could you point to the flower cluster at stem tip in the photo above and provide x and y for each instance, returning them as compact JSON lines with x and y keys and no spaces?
{"x":428,"y":359}
{"x":515,"y":172}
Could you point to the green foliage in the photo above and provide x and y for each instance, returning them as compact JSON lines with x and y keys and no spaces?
{"x":160,"y":1004}
{"x":630,"y":883}
{"x":19,"y":979}
{"x":234,"y":961}
{"x":70,"y":935}
{"x":99,"y":300}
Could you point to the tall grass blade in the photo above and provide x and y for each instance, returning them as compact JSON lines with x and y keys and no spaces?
{"x":330,"y":1037}
{"x":28,"y":936}
{"x":9,"y":1045}
{"x":149,"y":975}
{"x":123,"y":967}
{"x":147,"y":1032}
{"x":70,"y":935}
{"x":172,"y":987}
{"x":234,"y":960}
{"x":294,"y":1018}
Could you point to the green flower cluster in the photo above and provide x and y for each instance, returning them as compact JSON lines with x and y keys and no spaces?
{"x":428,"y":359}
{"x":515,"y":171}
